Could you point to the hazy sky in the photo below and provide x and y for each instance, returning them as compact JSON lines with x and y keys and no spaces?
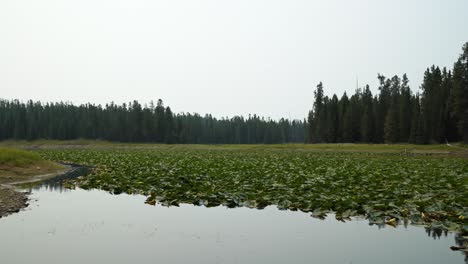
{"x":222,"y":57}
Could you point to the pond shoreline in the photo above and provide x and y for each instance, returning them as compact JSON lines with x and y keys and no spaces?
{"x":13,"y":199}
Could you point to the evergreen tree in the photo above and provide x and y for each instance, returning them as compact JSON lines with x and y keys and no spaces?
{"x":391,"y":125}
{"x":431,"y":104}
{"x":417,"y":124}
{"x":384,"y":101}
{"x":367,"y":120}
{"x":460,"y":90}
{"x":170,"y":137}
{"x":159,"y":121}
{"x":405,"y":109}
{"x":342,"y":109}
{"x":332,"y":120}
{"x":319,"y":116}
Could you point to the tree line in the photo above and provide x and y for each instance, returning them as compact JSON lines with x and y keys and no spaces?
{"x":436,"y":114}
{"x":133,"y":122}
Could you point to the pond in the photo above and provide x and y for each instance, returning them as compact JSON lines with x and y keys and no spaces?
{"x":80,"y":226}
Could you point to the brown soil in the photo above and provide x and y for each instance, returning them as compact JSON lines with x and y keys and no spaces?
{"x":12,"y":201}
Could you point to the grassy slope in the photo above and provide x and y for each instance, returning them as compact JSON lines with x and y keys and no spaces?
{"x":20,"y":165}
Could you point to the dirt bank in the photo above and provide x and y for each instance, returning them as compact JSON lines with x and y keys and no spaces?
{"x":12,"y":199}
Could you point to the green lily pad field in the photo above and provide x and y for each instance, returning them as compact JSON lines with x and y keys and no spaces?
{"x":386,"y":188}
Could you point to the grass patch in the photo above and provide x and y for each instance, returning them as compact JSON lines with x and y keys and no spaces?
{"x":15,"y":157}
{"x":19,"y":165}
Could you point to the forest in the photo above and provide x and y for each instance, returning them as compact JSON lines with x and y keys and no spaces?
{"x":133,"y":122}
{"x":436,"y":114}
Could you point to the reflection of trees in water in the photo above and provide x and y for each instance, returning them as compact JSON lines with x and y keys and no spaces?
{"x":405,"y":223}
{"x":462,"y":242}
{"x":54,"y":188}
{"x":435,"y":233}
{"x":56,"y":183}
{"x":384,"y":224}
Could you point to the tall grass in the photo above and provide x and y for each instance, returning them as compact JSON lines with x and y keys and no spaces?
{"x":18,"y":158}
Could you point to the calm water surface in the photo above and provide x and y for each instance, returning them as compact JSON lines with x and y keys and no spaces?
{"x":96,"y":227}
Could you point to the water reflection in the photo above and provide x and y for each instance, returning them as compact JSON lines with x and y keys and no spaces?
{"x":461,"y":242}
{"x":435,"y":233}
{"x":438,"y":233}
{"x":56,"y":183}
{"x":96,"y":227}
{"x":52,"y":188}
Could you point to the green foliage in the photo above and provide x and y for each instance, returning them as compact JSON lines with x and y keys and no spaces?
{"x":423,"y":189}
{"x":15,"y":157}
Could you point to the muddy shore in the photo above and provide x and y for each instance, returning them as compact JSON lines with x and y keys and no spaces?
{"x":12,"y":199}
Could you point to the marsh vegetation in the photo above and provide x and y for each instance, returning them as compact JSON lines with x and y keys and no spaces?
{"x":424,"y":188}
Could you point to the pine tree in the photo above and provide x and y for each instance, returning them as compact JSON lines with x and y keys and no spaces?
{"x":384,"y":101}
{"x":169,"y":126}
{"x":159,"y":121}
{"x":405,"y":110}
{"x":342,"y":109}
{"x":460,"y":88}
{"x":417,"y":125}
{"x":332,"y":120}
{"x":319,"y":116}
{"x":367,"y":121}
{"x":432,"y":103}
{"x":390,"y":128}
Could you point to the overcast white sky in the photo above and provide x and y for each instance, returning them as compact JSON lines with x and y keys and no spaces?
{"x":220,"y":57}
